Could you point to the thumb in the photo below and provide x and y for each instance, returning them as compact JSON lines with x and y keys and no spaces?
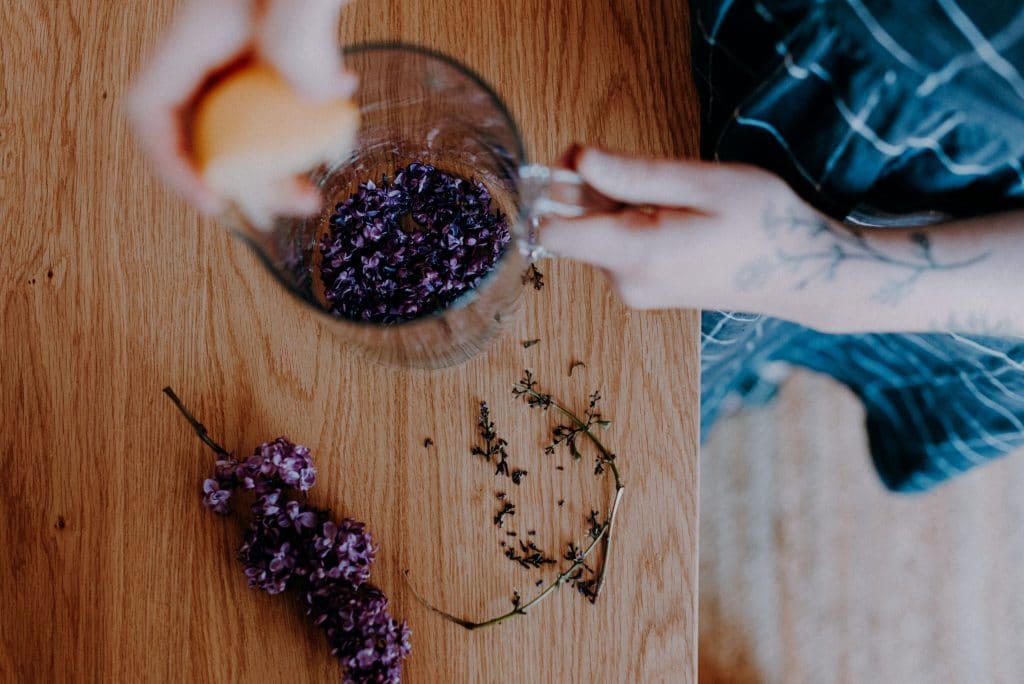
{"x":300,"y":38}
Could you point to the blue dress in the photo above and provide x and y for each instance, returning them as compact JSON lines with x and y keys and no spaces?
{"x":871,"y":109}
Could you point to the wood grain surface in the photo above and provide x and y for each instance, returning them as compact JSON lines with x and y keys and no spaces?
{"x":111,"y":288}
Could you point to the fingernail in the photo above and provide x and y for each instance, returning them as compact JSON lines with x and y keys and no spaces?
{"x":586,"y":160}
{"x":594,"y":155}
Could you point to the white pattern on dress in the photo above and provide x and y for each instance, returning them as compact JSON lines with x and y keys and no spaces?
{"x":1002,"y":40}
{"x":883,"y":37}
{"x":989,"y":54}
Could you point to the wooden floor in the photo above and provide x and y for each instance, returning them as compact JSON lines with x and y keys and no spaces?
{"x":811,"y":572}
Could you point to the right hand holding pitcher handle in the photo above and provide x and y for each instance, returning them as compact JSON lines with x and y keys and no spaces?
{"x":546,"y":191}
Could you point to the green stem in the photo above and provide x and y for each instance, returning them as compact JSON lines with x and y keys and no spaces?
{"x":199,"y":428}
{"x":518,"y":610}
{"x":607,"y":457}
{"x":609,"y":461}
{"x":608,"y":543}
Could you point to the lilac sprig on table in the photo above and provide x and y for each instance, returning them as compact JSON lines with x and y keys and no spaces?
{"x":506,"y":510}
{"x":534,"y":277}
{"x":565,"y":435}
{"x":529,"y":555}
{"x":570,"y":574}
{"x":578,"y":573}
{"x":273,"y":467}
{"x":494,"y":449}
{"x":410,"y":246}
{"x":291,"y":544}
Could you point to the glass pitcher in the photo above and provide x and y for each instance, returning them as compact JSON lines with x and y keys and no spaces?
{"x":418,"y":105}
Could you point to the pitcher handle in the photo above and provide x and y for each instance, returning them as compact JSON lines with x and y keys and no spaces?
{"x":544,"y":191}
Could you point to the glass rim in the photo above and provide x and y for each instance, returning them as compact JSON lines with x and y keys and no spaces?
{"x":238,"y":226}
{"x":400,"y":46}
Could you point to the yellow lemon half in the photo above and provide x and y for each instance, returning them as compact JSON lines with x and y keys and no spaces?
{"x":252,"y":134}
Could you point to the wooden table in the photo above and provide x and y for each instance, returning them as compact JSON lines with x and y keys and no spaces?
{"x":111,"y":288}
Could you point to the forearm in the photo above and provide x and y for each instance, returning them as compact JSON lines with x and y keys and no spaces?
{"x":964,"y":276}
{"x":737,"y":238}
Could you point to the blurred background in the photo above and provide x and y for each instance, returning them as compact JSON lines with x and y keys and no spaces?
{"x":811,"y":571}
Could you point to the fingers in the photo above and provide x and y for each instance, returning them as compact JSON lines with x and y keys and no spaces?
{"x":615,"y":241}
{"x":624,"y":245}
{"x":160,"y":134}
{"x":298,"y":37}
{"x":620,"y":244}
{"x":205,"y":35}
{"x":273,"y":197}
{"x":667,"y":183}
{"x":301,"y":40}
{"x":295,"y":197}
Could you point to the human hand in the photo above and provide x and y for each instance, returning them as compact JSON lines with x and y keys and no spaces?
{"x":685,"y":234}
{"x":733,"y":237}
{"x":297,"y":37}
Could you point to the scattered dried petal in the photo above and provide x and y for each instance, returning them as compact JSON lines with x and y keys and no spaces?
{"x":534,"y":276}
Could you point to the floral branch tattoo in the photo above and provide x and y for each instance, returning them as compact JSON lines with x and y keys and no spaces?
{"x":829,"y":246}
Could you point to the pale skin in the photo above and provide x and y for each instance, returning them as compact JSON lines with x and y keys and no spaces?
{"x":728,"y":236}
{"x":298,"y":37}
{"x":689,"y":234}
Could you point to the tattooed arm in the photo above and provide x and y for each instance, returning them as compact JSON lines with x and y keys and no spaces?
{"x":712,"y":236}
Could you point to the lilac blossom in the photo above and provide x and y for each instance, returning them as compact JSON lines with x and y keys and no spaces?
{"x":215,"y":498}
{"x":410,"y":246}
{"x":277,"y":465}
{"x":341,"y":552}
{"x":269,"y":556}
{"x":362,"y":634}
{"x":291,"y":544}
